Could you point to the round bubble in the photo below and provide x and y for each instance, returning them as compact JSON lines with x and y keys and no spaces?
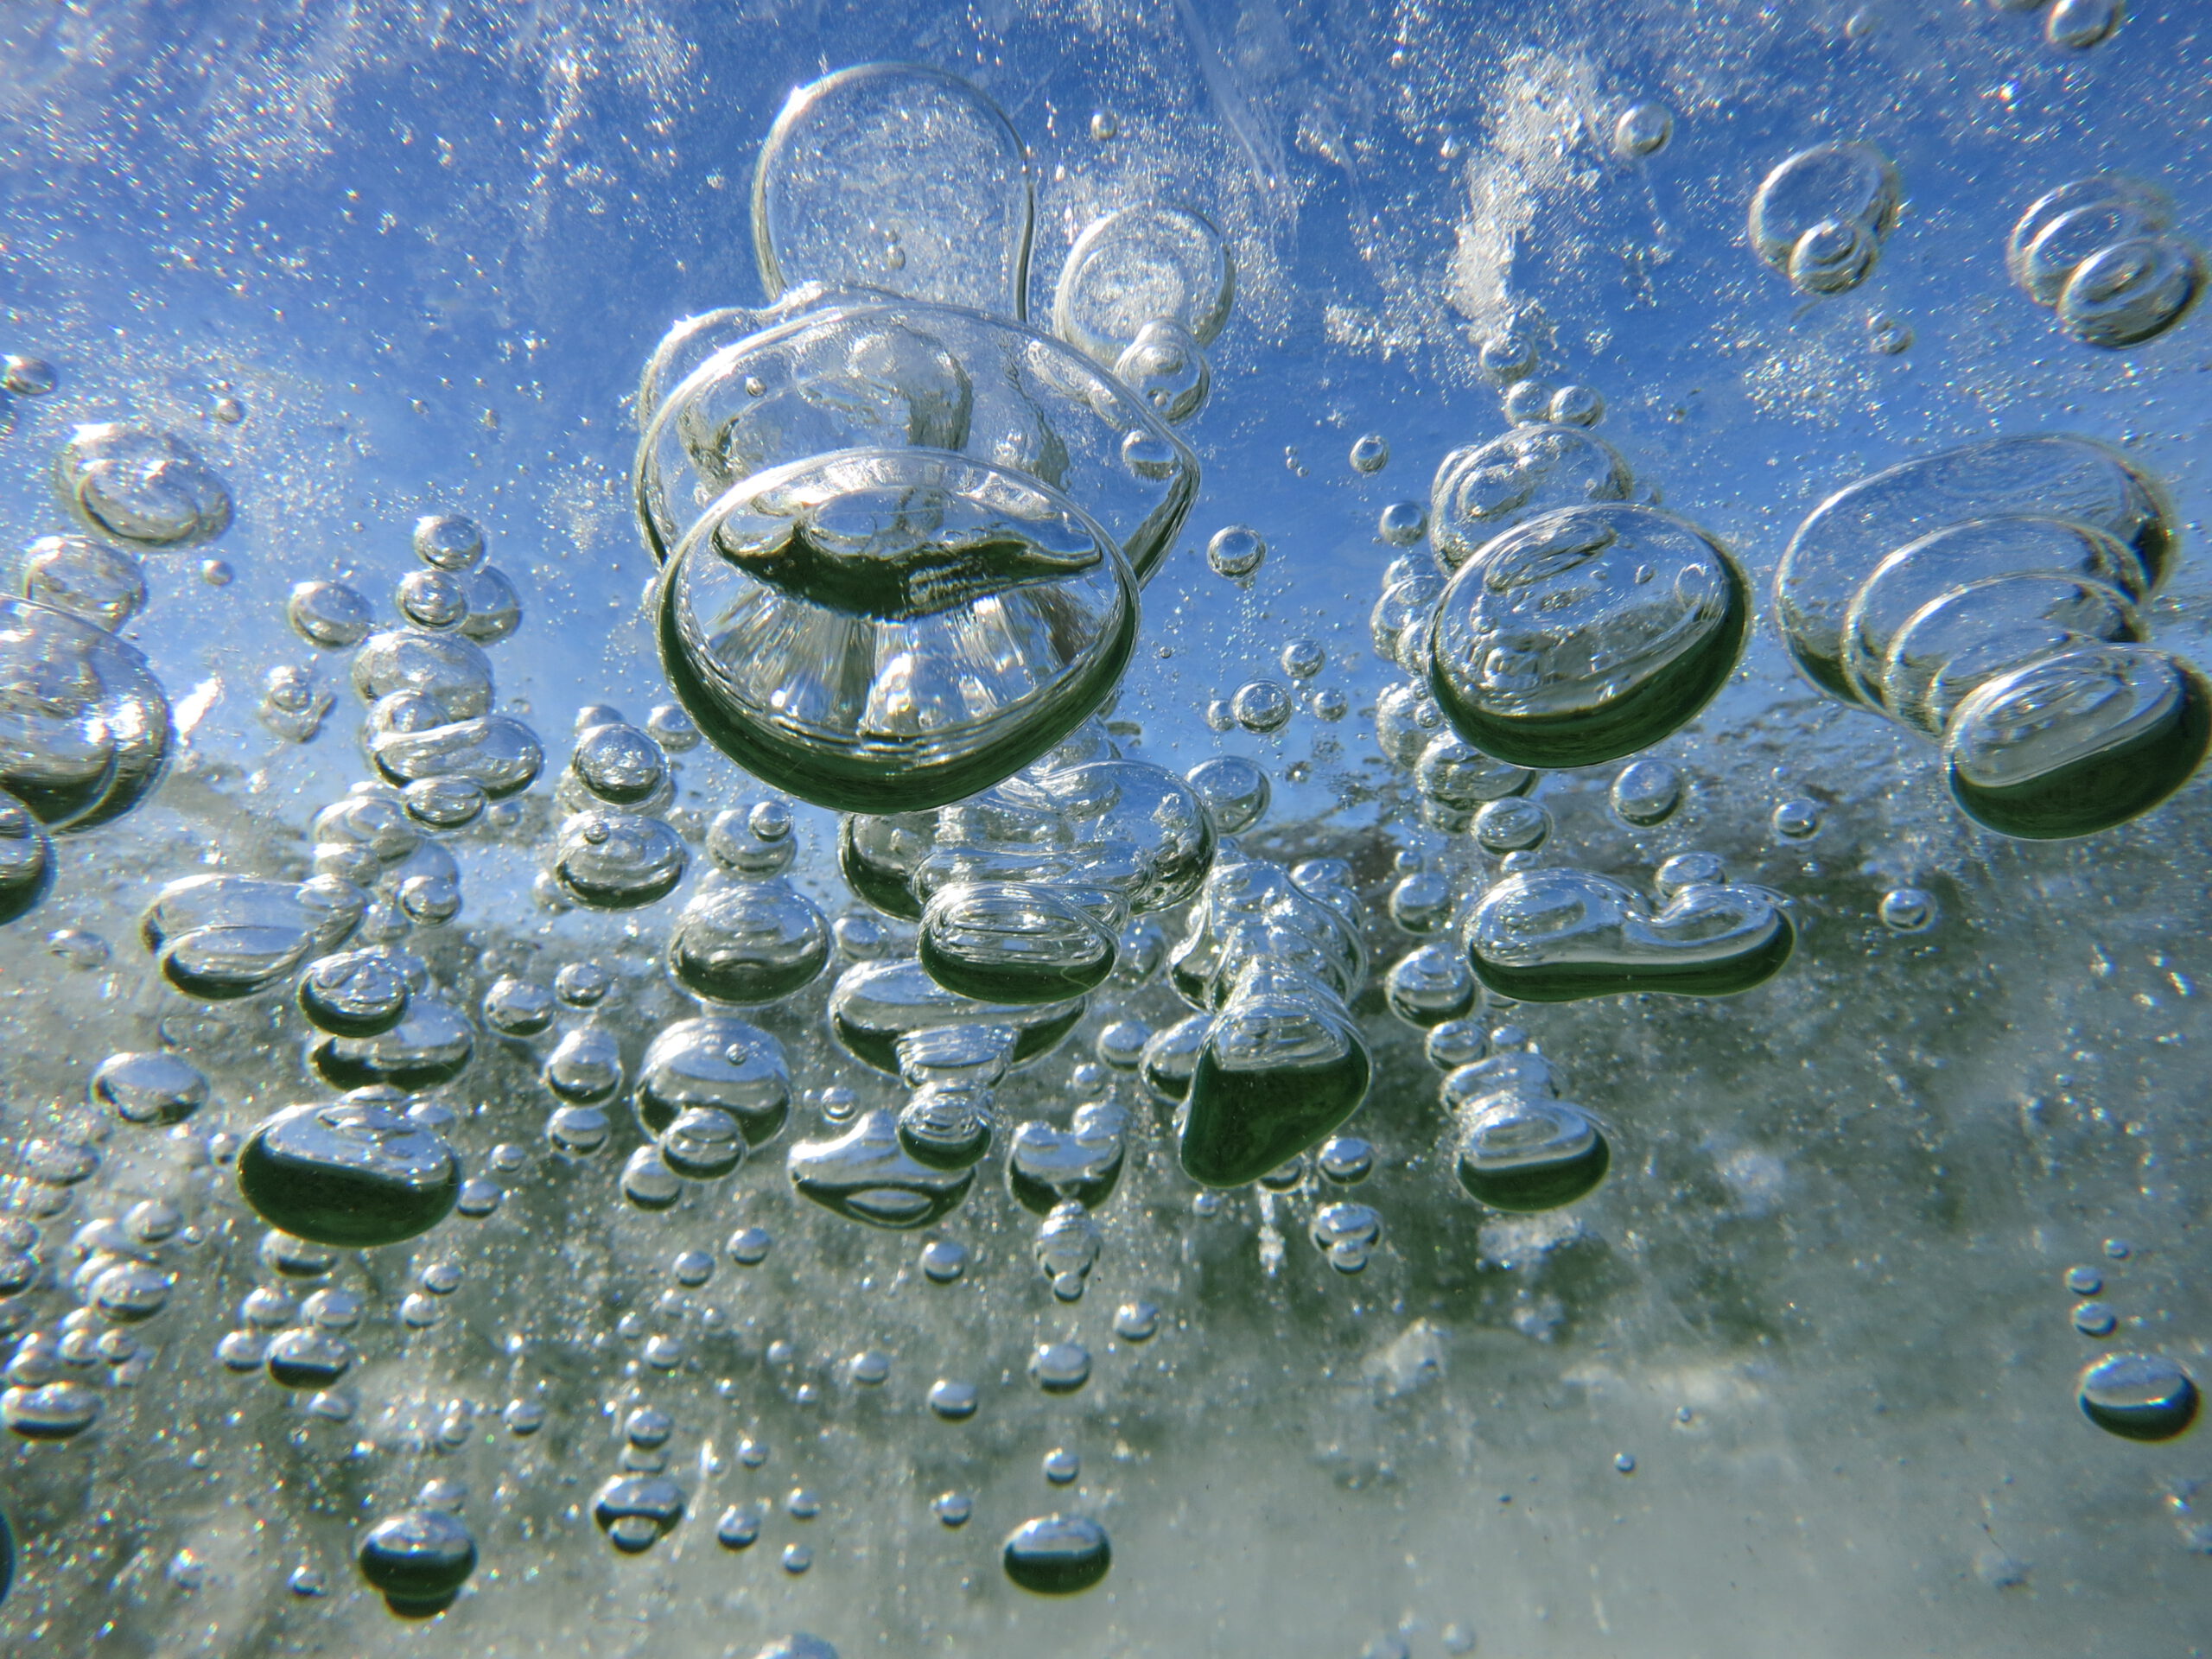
{"x":1642,"y":130}
{"x":91,"y":582}
{"x":26,"y":862}
{"x":1646,"y":793}
{"x":1237,"y":550}
{"x":447,"y":541}
{"x":354,"y":994}
{"x":1165,"y":366}
{"x":1514,"y":824}
{"x":618,"y":861}
{"x":1234,"y":790}
{"x":750,"y":941}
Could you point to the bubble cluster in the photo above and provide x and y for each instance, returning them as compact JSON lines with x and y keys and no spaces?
{"x":1993,"y":599}
{"x":2103,"y":253}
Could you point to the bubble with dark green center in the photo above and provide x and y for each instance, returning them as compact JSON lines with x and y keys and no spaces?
{"x":881,"y":630}
{"x":1058,"y":1554}
{"x":1521,"y":1154}
{"x":2139,"y":1396}
{"x":351,"y":1174}
{"x":1586,"y":634}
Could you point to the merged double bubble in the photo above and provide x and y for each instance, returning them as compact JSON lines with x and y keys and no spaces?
{"x":2104,"y":254}
{"x":904,"y":532}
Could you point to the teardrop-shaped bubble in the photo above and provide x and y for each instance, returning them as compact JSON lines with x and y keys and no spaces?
{"x":430,"y":1047}
{"x":152,"y":1088}
{"x":1586,"y":634}
{"x":97,"y":584}
{"x":141,"y":486}
{"x":716,"y":1063}
{"x":893,"y":629}
{"x":1282,"y":1066}
{"x":1014,"y":942}
{"x":896,"y":176}
{"x":1848,"y":192}
{"x":1046,"y":1168}
{"x":876,"y":1004}
{"x":866,"y":1174}
{"x":1138,"y":265}
{"x":83,"y":726}
{"x":353,"y":994}
{"x":748,"y":943}
{"x":947,"y":1125}
{"x":867,"y":372}
{"x":1555,"y":935}
{"x":1058,"y":1554}
{"x":612,"y":860}
{"x":417,"y":1559}
{"x":350,"y":1173}
{"x":702,"y":1144}
{"x":1430,"y":985}
{"x":218,"y":936}
{"x":2138,"y":1396}
{"x":1522,"y":1153}
{"x":26,"y":861}
{"x":2050,"y":476}
{"x":1485,"y":489}
{"x":2079,"y":741}
{"x":636,"y":1511}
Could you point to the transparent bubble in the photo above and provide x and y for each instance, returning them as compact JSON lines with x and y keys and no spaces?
{"x":103,"y":586}
{"x":585,"y":1066}
{"x":1261,"y":706}
{"x":899,"y":177}
{"x":1526,"y":403}
{"x":1237,"y":550}
{"x":1505,"y":359}
{"x":1137,"y":265}
{"x":1234,"y":791}
{"x":1908,"y":910}
{"x":954,"y":1401}
{"x":1048,"y":1167}
{"x":1642,"y":130}
{"x":1303,"y":658}
{"x":354,"y":994}
{"x":636,"y":1511}
{"x":1576,"y":406}
{"x":2138,"y":1396}
{"x":1060,"y":1367}
{"x":2077,"y":25}
{"x":1514,"y":824}
{"x":1520,"y":1152}
{"x":83,"y":726}
{"x":619,"y":764}
{"x":447,"y":542}
{"x":1647,"y":792}
{"x":1164,"y":366}
{"x":1431,"y":985}
{"x":750,"y":942}
{"x":1487,"y":488}
{"x":1370,"y":453}
{"x":27,"y":377}
{"x":618,"y":861}
{"x":26,"y":862}
{"x":2132,"y":291}
{"x":1015,"y":942}
{"x":1821,"y":215}
{"x":141,"y":486}
{"x":1402,"y":522}
{"x":515,"y":1008}
{"x":1797,"y":820}
{"x":430,"y":599}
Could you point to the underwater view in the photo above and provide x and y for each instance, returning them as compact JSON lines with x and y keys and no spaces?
{"x":1109,"y":829}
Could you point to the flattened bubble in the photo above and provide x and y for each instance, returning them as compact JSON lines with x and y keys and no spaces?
{"x":27,"y":377}
{"x":447,"y":541}
{"x":1138,"y":264}
{"x":582,"y":984}
{"x":453,"y":674}
{"x":1522,"y":1154}
{"x":446,"y":802}
{"x":1060,"y":1367}
{"x":953,"y":1400}
{"x":1430,"y":985}
{"x":220,"y":936}
{"x":87,"y":580}
{"x":1346,"y":1160}
{"x":1237,"y":550}
{"x":1526,"y":403}
{"x":417,"y":1559}
{"x":2138,"y":1396}
{"x":899,"y":177}
{"x":1058,"y":1554}
{"x":717,"y":1063}
{"x":2078,"y":742}
{"x":1555,"y":935}
{"x":1642,"y":130}
{"x":26,"y":862}
{"x":943,"y":1260}
{"x":2077,"y":25}
{"x":308,"y":1358}
{"x":1821,"y":215}
{"x":1165,"y":366}
{"x":350,"y":1173}
{"x":353,"y":994}
{"x":876,"y":1004}
{"x":612,"y":860}
{"x":636,"y":1511}
{"x":866,"y":1174}
{"x":1014,"y":942}
{"x":825,"y":623}
{"x":500,"y":755}
{"x":83,"y":726}
{"x":141,"y":486}
{"x":49,"y":1411}
{"x":739,"y":849}
{"x":672,"y":729}
{"x":430,"y":1047}
{"x":1586,"y":634}
{"x":749,"y":942}
{"x":515,"y":1008}
{"x":1646,"y":793}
